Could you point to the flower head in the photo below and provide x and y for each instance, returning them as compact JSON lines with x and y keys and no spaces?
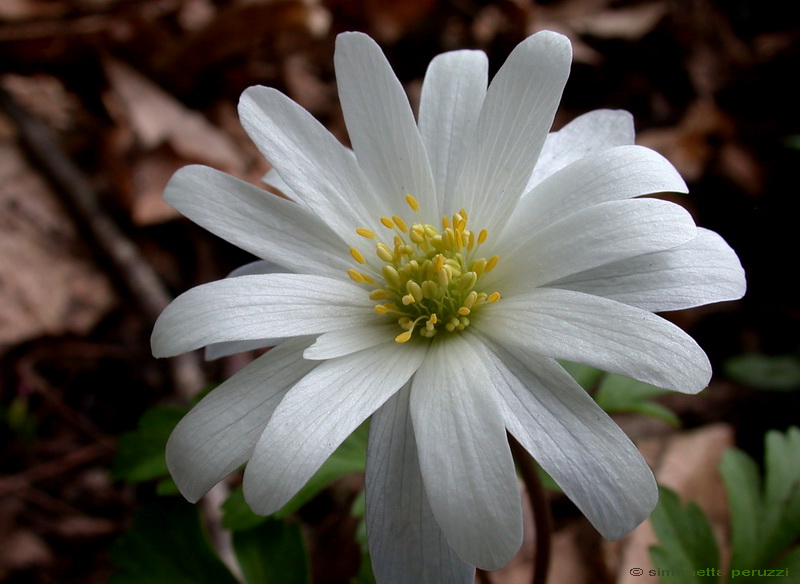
{"x":430,"y":278}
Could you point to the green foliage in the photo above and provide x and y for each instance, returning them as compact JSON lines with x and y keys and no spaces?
{"x":140,"y":455}
{"x":773,"y":372}
{"x":687,"y":547}
{"x":167,"y":545}
{"x":618,"y":394}
{"x":359,"y":510}
{"x":765,"y":516}
{"x":272,"y":553}
{"x":765,"y":520}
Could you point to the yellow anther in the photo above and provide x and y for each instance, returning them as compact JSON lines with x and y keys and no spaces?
{"x":482,"y":236}
{"x":459,"y":239}
{"x":390,"y":275}
{"x":415,"y":290}
{"x":379,"y":294}
{"x":384,"y":252}
{"x":387,"y":222}
{"x":470,"y":299}
{"x":479,"y":267}
{"x":403,"y":337}
{"x":408,"y":299}
{"x":445,"y":222}
{"x":400,"y":223}
{"x":464,"y":311}
{"x":467,"y":281}
{"x":417,"y":233}
{"x":444,"y":277}
{"x":357,"y":255}
{"x":355,"y":276}
{"x":463,"y":213}
{"x":381,"y":309}
{"x":492,"y":263}
{"x":391,"y":306}
{"x":412,"y":202}
{"x":494,"y":297}
{"x":365,"y":233}
{"x":430,"y":289}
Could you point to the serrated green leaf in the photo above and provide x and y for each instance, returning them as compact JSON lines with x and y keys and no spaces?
{"x":619,"y":394}
{"x":273,"y":552}
{"x":686,"y":542}
{"x":772,"y":372}
{"x":586,"y":375}
{"x":140,"y":455}
{"x":167,"y":545}
{"x":742,"y":484}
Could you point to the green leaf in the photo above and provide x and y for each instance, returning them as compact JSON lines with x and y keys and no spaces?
{"x":237,"y":514}
{"x":167,"y":545}
{"x":140,"y":455}
{"x":272,"y":553}
{"x":686,"y":545}
{"x":773,"y":372}
{"x":348,"y":458}
{"x":742,"y":484}
{"x":586,"y":375}
{"x":781,"y":505}
{"x":619,"y":394}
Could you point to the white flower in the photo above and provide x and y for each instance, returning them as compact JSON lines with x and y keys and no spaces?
{"x":445,"y":331}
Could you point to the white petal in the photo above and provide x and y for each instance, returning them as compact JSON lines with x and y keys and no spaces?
{"x":318,"y":414}
{"x":614,"y":174}
{"x":575,"y":441}
{"x":257,"y":221}
{"x":320,"y":171}
{"x":464,"y":455}
{"x":701,"y":271}
{"x":593,"y":131}
{"x":406,"y":544}
{"x":274,"y":180}
{"x":602,"y":333}
{"x":381,"y":125}
{"x":513,"y":124}
{"x":217,"y":436}
{"x":611,"y":231}
{"x":219,"y":350}
{"x":257,"y":307}
{"x":452,"y":96}
{"x":343,"y":342}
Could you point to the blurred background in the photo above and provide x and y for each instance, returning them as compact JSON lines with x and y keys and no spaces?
{"x":102,"y":100}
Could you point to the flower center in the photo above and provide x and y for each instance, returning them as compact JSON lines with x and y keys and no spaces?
{"x":428,"y":277}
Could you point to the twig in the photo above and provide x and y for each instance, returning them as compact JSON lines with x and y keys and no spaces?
{"x":134,"y":273}
{"x":542,"y":520}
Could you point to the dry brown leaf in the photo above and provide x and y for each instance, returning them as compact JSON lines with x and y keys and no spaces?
{"x":47,"y":285}
{"x":157,"y":118}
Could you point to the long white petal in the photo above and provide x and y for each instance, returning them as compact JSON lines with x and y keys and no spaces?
{"x":219,"y":350}
{"x":593,"y":131}
{"x":464,"y":455}
{"x":516,"y":115}
{"x":451,"y":100}
{"x":257,"y":221}
{"x":343,"y":342}
{"x":614,"y":174}
{"x":406,"y":544}
{"x":701,"y":271}
{"x":602,"y":333}
{"x":575,"y":441}
{"x":597,"y":235}
{"x":257,"y":307}
{"x":217,"y":436}
{"x":319,"y":170}
{"x":381,"y":125}
{"x":318,"y":414}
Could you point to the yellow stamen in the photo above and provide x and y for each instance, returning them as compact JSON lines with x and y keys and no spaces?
{"x":403,"y":337}
{"x":355,"y":276}
{"x":357,"y":256}
{"x":412,"y":202}
{"x":482,"y":236}
{"x":494,"y":297}
{"x":379,"y":294}
{"x":492,"y":263}
{"x":387,"y":222}
{"x":400,"y":223}
{"x":365,"y":233}
{"x":384,"y":253}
